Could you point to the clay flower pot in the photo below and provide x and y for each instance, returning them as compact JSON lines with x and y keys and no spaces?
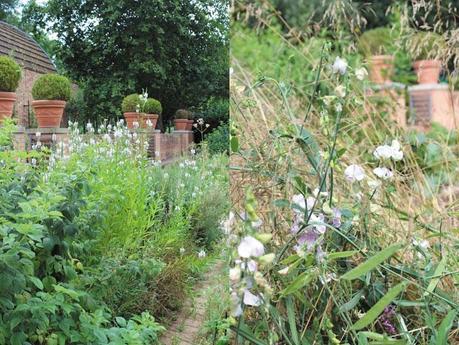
{"x":428,"y":71}
{"x":381,"y":68}
{"x":152,"y":117}
{"x":7,"y":100}
{"x":132,"y":117}
{"x":189,"y":126}
{"x":48,"y":113}
{"x":181,"y":124}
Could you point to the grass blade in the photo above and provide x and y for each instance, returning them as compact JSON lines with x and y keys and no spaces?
{"x":443,"y":329}
{"x":438,"y":273}
{"x":372,"y":262}
{"x":378,"y":308}
{"x":291,"y":320}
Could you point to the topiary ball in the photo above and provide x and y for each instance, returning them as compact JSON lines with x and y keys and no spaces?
{"x":130,"y":103}
{"x":426,"y":45}
{"x":376,"y":42}
{"x":10,"y":74}
{"x":183,"y":114}
{"x":153,"y":106}
{"x":52,"y":87}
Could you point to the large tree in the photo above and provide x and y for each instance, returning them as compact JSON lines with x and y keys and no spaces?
{"x":176,"y":49}
{"x":7,"y":8}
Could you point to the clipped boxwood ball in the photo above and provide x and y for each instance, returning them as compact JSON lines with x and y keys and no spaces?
{"x":153,"y":106}
{"x":183,"y":114}
{"x":10,"y":74}
{"x":51,"y":87}
{"x":130,"y":103}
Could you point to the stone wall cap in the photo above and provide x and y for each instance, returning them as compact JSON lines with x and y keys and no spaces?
{"x":428,"y":87}
{"x":47,"y":130}
{"x":385,"y":86}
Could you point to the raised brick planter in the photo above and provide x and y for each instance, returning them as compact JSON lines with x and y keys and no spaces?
{"x":163,"y":146}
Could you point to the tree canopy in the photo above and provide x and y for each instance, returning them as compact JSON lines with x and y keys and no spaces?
{"x":175,"y":49}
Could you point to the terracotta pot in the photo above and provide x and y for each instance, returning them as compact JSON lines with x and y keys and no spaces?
{"x":381,"y":68}
{"x":428,"y":71}
{"x":153,"y":118}
{"x":7,"y":100}
{"x":48,"y":113}
{"x":181,"y":124}
{"x":132,"y":117}
{"x":189,"y":126}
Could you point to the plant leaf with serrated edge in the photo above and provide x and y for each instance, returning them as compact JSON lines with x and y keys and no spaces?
{"x":378,"y":308}
{"x":372,"y":262}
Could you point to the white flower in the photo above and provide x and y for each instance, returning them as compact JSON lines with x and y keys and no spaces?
{"x":38,"y":134}
{"x":383,"y":173}
{"x":201,"y":254}
{"x":235,"y":274}
{"x":386,"y":152}
{"x":182,"y":250}
{"x":299,"y":200}
{"x":316,"y":220}
{"x":249,"y":247}
{"x":424,"y":244}
{"x":193,"y":151}
{"x":339,"y":66}
{"x":149,"y":123}
{"x":361,"y":73}
{"x":54,"y":137}
{"x":251,"y":299}
{"x":354,"y":173}
{"x":373,"y":184}
{"x":135,"y":124}
{"x":340,"y":90}
{"x":338,"y":107}
{"x":283,"y":271}
{"x":383,"y":152}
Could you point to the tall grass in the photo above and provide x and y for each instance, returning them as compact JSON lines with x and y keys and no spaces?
{"x":293,"y":139}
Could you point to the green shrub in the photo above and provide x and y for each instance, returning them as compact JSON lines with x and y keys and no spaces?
{"x":376,"y":42}
{"x":130,"y":103}
{"x":10,"y":74}
{"x":183,"y":114}
{"x":218,"y":139}
{"x":426,"y":45}
{"x":153,"y":106}
{"x":214,"y":111}
{"x":51,"y":87}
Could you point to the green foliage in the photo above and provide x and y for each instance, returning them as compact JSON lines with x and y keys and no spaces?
{"x":131,"y":103}
{"x":183,"y":114}
{"x":376,"y":42}
{"x":51,"y":87}
{"x":85,"y":240}
{"x":214,"y":111}
{"x":425,"y":45}
{"x":218,"y":139}
{"x":10,"y":74}
{"x":152,"y":106}
{"x":182,"y":68}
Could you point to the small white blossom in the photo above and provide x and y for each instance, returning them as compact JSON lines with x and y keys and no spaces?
{"x":201,"y":254}
{"x":339,"y":66}
{"x":383,"y":173}
{"x":354,"y":173}
{"x":251,"y":299}
{"x":250,"y":247}
{"x":361,"y":73}
{"x":340,"y":90}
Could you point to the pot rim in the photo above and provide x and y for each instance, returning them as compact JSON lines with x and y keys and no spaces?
{"x":427,"y":63}
{"x":48,"y":101}
{"x":5,"y":94}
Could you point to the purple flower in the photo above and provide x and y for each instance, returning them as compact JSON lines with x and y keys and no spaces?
{"x":385,"y":318}
{"x":336,"y":217}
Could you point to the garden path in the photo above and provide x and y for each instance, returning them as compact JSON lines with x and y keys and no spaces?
{"x":185,"y":329}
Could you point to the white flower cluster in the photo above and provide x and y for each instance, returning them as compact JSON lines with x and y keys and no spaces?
{"x":355,"y":173}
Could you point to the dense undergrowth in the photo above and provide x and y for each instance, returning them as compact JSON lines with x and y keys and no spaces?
{"x":345,"y":227}
{"x":97,"y":241}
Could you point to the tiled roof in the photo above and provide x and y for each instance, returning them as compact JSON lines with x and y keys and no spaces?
{"x":24,"y":49}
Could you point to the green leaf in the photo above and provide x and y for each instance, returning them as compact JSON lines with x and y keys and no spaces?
{"x":292,"y":320}
{"x":443,"y":329}
{"x":372,"y":262}
{"x":247,"y":334}
{"x":352,"y":302}
{"x":299,"y":282}
{"x":378,"y":308}
{"x":341,"y":255}
{"x":37,"y":282}
{"x":234,"y":143}
{"x":437,"y":274}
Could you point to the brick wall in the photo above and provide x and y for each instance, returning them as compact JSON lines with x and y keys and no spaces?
{"x":24,"y":96}
{"x":163,"y":146}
